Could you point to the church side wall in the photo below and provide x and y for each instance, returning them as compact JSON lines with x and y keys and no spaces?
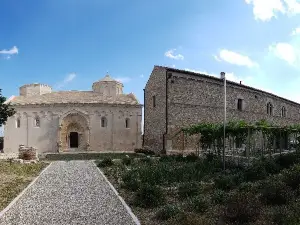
{"x":197,"y":99}
{"x":155,"y":116}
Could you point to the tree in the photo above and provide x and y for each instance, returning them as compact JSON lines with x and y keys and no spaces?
{"x":5,"y":110}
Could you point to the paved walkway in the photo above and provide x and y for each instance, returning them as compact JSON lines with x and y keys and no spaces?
{"x":71,"y":192}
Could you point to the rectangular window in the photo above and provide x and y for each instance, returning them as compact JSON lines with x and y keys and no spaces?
{"x":154,"y":101}
{"x":240,"y":104}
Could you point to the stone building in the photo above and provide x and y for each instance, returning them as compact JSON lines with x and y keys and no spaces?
{"x":104,"y":119}
{"x":174,"y":99}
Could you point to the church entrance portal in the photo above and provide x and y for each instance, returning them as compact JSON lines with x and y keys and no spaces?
{"x":74,"y":140}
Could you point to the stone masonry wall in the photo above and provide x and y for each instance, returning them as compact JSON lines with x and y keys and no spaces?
{"x":155,"y":125}
{"x":194,"y":99}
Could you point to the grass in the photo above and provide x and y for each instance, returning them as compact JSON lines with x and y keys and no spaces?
{"x":14,"y":178}
{"x":89,"y":156}
{"x":177,"y":190}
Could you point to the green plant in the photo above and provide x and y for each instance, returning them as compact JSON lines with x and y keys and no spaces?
{"x":275,"y":192}
{"x":255,"y":172}
{"x":219,"y":196}
{"x":106,"y":162}
{"x":192,"y":157}
{"x":144,"y":151}
{"x":149,"y":196}
{"x":200,"y":203}
{"x":127,"y":161}
{"x":131,"y":181}
{"x":241,"y":208}
{"x":227,"y":182}
{"x":188,"y":189}
{"x":167,"y":212}
{"x":292,"y":176}
{"x":287,"y":160}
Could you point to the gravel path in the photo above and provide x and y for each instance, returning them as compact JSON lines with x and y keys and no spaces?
{"x":71,"y":192}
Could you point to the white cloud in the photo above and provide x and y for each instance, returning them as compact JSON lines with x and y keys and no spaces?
{"x":296,"y":31}
{"x":69,"y":78}
{"x":12,"y":51}
{"x":123,"y":79}
{"x":265,"y":10}
{"x":285,"y":51}
{"x":170,"y":54}
{"x":229,"y":76}
{"x":235,"y":58}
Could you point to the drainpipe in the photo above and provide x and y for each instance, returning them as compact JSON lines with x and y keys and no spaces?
{"x":144,"y":119}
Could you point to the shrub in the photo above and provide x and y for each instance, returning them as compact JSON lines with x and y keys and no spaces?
{"x":144,"y":151}
{"x":242,"y":207}
{"x":255,"y":172}
{"x":190,"y":219}
{"x":227,"y":182}
{"x":292,"y":176}
{"x":188,"y":189}
{"x":192,"y":157}
{"x":146,"y":160}
{"x":200,"y":203}
{"x":106,"y":162}
{"x":149,"y":196}
{"x":167,"y":212}
{"x":127,"y":161}
{"x":270,"y":166}
{"x":131,"y":181}
{"x":287,"y":160}
{"x":275,"y":192}
{"x":219,"y":196}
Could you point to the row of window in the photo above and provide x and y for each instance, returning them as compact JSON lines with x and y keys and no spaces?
{"x":270,"y":108}
{"x":37,"y":122}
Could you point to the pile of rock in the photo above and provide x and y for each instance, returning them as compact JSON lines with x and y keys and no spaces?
{"x":27,"y":154}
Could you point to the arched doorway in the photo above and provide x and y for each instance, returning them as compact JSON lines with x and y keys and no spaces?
{"x":74,"y":133}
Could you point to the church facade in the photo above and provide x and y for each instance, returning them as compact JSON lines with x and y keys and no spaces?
{"x":104,"y":119}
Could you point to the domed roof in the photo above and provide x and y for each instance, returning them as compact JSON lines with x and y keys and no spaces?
{"x":107,"y":78}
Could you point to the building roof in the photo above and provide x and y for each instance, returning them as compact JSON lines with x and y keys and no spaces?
{"x":64,"y":97}
{"x":229,"y":82}
{"x":107,"y":78}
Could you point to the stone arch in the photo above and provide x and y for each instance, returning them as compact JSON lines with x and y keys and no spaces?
{"x":77,"y":122}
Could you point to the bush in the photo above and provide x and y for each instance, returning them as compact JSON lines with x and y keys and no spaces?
{"x":188,"y":189}
{"x":131,"y":181}
{"x":149,"y":196}
{"x":242,"y":207}
{"x":106,"y":162}
{"x":292,"y":177}
{"x":200,"y":203}
{"x":190,"y":219}
{"x":167,"y":212}
{"x":275,"y":193}
{"x":287,"y":160}
{"x":144,"y":151}
{"x":191,"y":157}
{"x":255,"y":172}
{"x":219,"y":196}
{"x":127,"y":161}
{"x":146,"y":160}
{"x":270,"y":166}
{"x":227,"y":182}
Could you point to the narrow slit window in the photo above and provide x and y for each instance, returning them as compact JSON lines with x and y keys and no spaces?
{"x":283,"y":111}
{"x":269,"y":108}
{"x":103,"y":122}
{"x":37,"y":122}
{"x":154,"y":101}
{"x":127,"y":123}
{"x":18,"y":123}
{"x":240,"y":104}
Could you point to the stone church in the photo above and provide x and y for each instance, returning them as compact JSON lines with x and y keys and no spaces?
{"x":104,"y":119}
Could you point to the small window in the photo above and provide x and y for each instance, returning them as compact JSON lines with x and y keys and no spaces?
{"x":269,"y":108}
{"x":283,"y":111}
{"x":18,"y":123}
{"x":127,"y":123}
{"x":240,"y":104}
{"x":154,"y":101}
{"x":103,"y":122}
{"x":37,"y":122}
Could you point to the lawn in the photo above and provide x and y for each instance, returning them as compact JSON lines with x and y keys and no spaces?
{"x":187,"y":190}
{"x":14,"y":177}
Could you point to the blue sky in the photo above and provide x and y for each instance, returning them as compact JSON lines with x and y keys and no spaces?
{"x":69,"y":44}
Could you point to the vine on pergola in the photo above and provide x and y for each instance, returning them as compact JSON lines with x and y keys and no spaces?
{"x":211,"y":134}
